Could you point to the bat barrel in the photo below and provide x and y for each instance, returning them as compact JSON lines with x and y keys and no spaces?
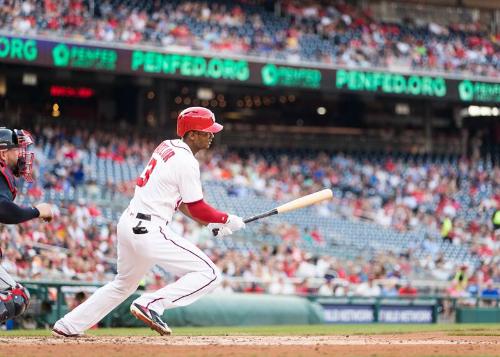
{"x":305,"y":201}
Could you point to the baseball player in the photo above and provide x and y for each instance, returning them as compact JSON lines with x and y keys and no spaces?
{"x":170,"y":182}
{"x":15,"y":161}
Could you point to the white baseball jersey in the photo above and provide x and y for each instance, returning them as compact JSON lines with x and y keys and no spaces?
{"x":172,"y":176}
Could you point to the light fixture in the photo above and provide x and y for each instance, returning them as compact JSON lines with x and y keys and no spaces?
{"x":480,"y":111}
{"x":55,"y":110}
{"x":321,"y":110}
{"x":402,"y":109}
{"x":205,"y":93}
{"x":30,"y":79}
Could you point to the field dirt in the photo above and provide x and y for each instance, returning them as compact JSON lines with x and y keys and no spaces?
{"x":407,"y":345}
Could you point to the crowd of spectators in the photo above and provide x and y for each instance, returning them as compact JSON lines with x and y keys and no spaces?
{"x":71,"y":247}
{"x":335,"y":33}
{"x":359,"y":39}
{"x":400,"y":194}
{"x":68,"y":250}
{"x":403,"y":193}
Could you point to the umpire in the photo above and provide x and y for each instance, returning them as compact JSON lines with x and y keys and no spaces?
{"x":15,"y":161}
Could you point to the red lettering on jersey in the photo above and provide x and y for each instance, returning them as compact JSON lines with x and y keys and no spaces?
{"x":167,"y":155}
{"x":144,"y":178}
{"x":165,"y":151}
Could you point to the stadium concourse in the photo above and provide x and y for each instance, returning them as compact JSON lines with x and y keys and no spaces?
{"x":394,"y":220}
{"x":333,"y":32}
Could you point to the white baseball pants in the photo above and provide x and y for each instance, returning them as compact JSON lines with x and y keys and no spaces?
{"x":137,"y":253}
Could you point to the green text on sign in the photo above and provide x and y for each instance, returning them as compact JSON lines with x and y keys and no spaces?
{"x":84,"y":57}
{"x":17,"y":48}
{"x":190,"y":66}
{"x":390,"y":83}
{"x":273,"y":75}
{"x":479,"y":91}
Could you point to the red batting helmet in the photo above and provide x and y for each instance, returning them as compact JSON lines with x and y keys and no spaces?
{"x":197,"y":118}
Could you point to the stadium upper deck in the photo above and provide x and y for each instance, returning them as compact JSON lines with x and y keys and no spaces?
{"x":337,"y":33}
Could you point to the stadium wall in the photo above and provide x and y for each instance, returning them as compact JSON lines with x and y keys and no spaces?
{"x":260,"y":309}
{"x":232,"y":310}
{"x":478,"y":315}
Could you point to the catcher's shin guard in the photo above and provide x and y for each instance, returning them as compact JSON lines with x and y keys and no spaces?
{"x":13,"y":302}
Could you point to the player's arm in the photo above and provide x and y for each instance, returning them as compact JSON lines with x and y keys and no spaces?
{"x":203,"y":213}
{"x":192,"y":196}
{"x":191,"y":193}
{"x":11,"y":213}
{"x":183,"y":208}
{"x":225,"y":223}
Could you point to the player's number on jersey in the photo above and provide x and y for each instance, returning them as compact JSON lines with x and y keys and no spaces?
{"x":144,"y":178}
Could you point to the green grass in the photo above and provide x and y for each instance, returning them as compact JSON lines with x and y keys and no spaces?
{"x":286,"y":330}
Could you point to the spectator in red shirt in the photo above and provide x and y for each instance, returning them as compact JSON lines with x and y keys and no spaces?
{"x":254,"y":288}
{"x":407,"y":289}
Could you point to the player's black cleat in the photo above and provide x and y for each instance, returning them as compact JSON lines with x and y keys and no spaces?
{"x":150,"y":318}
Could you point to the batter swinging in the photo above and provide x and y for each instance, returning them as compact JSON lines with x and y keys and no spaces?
{"x":170,"y":181}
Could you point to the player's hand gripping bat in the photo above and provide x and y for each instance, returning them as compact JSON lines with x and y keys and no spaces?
{"x":300,"y":202}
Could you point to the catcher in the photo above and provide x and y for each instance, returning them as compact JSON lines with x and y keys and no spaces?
{"x":15,"y":161}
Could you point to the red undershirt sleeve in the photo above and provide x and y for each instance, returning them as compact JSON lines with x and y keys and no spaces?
{"x":204,"y":212}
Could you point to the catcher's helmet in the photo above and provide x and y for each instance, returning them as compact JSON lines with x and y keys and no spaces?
{"x":18,"y":138}
{"x":197,"y":118}
{"x":8,"y":139}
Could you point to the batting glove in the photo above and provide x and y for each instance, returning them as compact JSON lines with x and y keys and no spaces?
{"x":234,"y":223}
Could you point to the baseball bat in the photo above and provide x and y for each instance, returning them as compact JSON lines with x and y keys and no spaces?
{"x":300,"y":202}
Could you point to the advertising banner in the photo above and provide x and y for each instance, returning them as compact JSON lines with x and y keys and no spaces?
{"x":162,"y":63}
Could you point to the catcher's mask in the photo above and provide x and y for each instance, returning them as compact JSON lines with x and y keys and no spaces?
{"x":21,"y":139}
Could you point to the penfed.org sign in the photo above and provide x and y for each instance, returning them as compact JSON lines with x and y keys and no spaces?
{"x":273,"y":75}
{"x":189,"y":66}
{"x":12,"y":48}
{"x":390,"y":83}
{"x":479,"y":91}
{"x":84,"y":57}
{"x":163,"y":63}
